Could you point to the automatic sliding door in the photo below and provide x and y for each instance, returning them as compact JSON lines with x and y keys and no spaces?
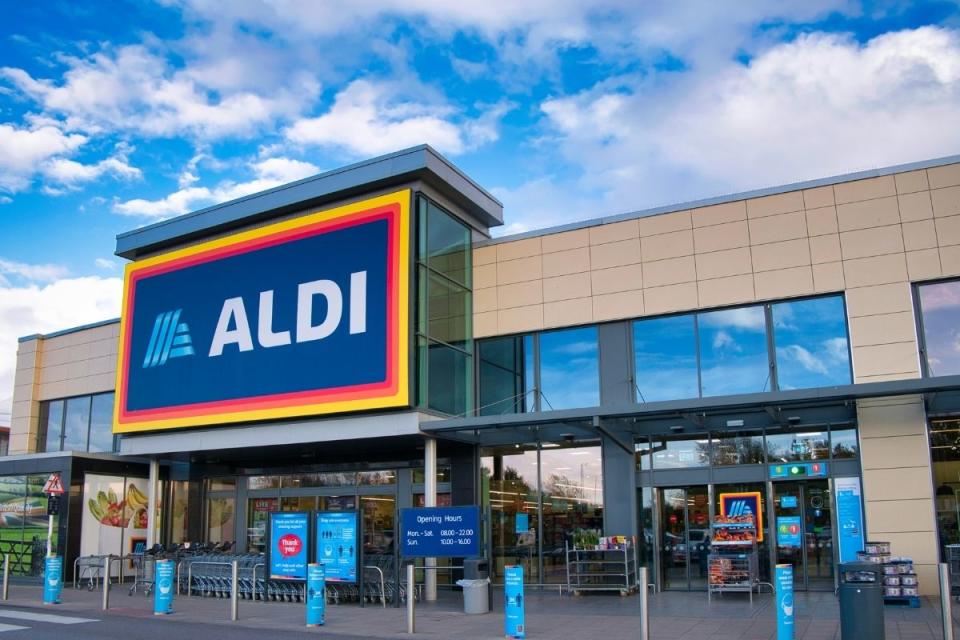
{"x":673,"y":542}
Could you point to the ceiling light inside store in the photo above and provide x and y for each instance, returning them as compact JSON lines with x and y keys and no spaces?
{"x":549,"y":445}
{"x":734,"y":423}
{"x":579,"y":453}
{"x":812,"y":434}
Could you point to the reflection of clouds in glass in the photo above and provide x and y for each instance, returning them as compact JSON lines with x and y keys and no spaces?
{"x":744,"y":318}
{"x":812,"y":347}
{"x":576,"y":348}
{"x":803,"y":357}
{"x":836,"y":349}
{"x":665,"y":358}
{"x":744,"y":375}
{"x":934,"y":297}
{"x":723,"y":340}
{"x":569,"y":368}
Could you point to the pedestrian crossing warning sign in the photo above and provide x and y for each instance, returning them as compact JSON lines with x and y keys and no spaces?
{"x":53,"y":485}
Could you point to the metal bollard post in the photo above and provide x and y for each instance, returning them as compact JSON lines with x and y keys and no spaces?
{"x":411,"y":599}
{"x":6,"y":576}
{"x":233,"y":589}
{"x":106,"y":584}
{"x":946,"y":607}
{"x":644,"y":604}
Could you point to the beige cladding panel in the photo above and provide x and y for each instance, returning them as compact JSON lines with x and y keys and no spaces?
{"x":615,"y":254}
{"x":828,"y":277}
{"x":520,"y":294}
{"x":882,"y":359}
{"x":521,"y":270}
{"x":911,"y":181}
{"x":772,"y":205}
{"x":667,"y":245}
{"x":724,"y":291}
{"x":896,"y":515}
{"x":566,"y":240}
{"x":946,"y":202}
{"x":626,"y":278}
{"x":787,"y":226}
{"x":616,"y":306}
{"x":945,"y":176}
{"x":822,"y":221}
{"x":948,"y":231}
{"x":868,"y":189}
{"x":575,"y":285}
{"x":561,"y":263}
{"x":518,"y":249}
{"x":924,"y":264}
{"x":718,"y":264}
{"x":824,"y":248}
{"x":915,"y":206}
{"x":818,"y":197}
{"x":783,"y":283}
{"x":781,"y":255}
{"x":565,"y":313}
{"x":655,"y":225}
{"x":879,"y":299}
{"x":730,"y":235}
{"x":877,"y":241}
{"x":614,"y":232}
{"x":672,"y":271}
{"x":671,"y":298}
{"x":720,"y":213}
{"x":882,"y":329}
{"x":863,"y":272}
{"x":950,"y":260}
{"x":907,"y":483}
{"x":921,"y":234}
{"x":864,"y":215}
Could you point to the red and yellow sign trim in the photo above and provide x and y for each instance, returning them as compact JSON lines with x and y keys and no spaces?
{"x":392,"y":392}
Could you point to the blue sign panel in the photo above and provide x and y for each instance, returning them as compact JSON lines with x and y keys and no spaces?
{"x":788,"y":502}
{"x":849,"y":517}
{"x":783,"y":581}
{"x":316,"y":598}
{"x":163,"y":589}
{"x":440,"y":532}
{"x":288,"y":546}
{"x":247,"y":327}
{"x":513,"y":607}
{"x":798,"y":470}
{"x":52,"y":579}
{"x":789,"y":531}
{"x":337,"y":545}
{"x":523,"y":523}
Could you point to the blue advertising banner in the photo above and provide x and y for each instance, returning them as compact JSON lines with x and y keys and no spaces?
{"x":289,"y":533}
{"x":233,"y":329}
{"x":849,"y":509}
{"x":440,"y":532}
{"x":513,"y":608}
{"x":783,"y":581}
{"x":789,"y":530}
{"x":788,"y":502}
{"x":798,"y":470}
{"x":163,"y":589}
{"x":337,"y":545}
{"x":52,"y":579}
{"x":522,"y":524}
{"x":316,"y":598}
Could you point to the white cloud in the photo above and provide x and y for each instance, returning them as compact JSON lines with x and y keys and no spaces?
{"x":72,"y":173}
{"x":836,"y":349}
{"x":269,"y":173}
{"x":743,"y":318}
{"x":136,"y":88}
{"x":25,"y":150}
{"x":106,"y":264}
{"x":5,"y":199}
{"x":817,"y":106}
{"x":38,"y":272}
{"x":804,"y":358}
{"x":42,"y":308}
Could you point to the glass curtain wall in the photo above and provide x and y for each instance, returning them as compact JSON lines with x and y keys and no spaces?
{"x":559,"y":495}
{"x":945,"y":459}
{"x":83,"y":423}
{"x":444,"y":311}
{"x":939,"y":305}
{"x":786,"y":345}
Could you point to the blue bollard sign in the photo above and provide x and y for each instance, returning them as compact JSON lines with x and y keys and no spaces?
{"x":52,"y":579}
{"x":515,"y":626}
{"x":163,"y":587}
{"x":316,"y":600}
{"x":783,"y":579}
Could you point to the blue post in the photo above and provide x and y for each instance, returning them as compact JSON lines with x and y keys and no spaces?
{"x":163,"y":587}
{"x":783,"y":578}
{"x":52,"y":579}
{"x":515,"y":626}
{"x":316,"y":600}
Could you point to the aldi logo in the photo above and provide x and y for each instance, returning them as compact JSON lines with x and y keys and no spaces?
{"x":304,"y":317}
{"x":746,"y":503}
{"x":170,"y":339}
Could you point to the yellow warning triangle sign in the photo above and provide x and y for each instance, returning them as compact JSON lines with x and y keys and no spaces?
{"x":53,"y":485}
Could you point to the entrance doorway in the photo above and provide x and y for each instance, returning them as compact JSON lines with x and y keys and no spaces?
{"x":804,"y":532}
{"x":684,"y":537}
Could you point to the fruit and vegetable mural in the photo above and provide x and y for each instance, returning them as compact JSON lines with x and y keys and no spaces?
{"x":23,"y":518}
{"x":115,"y":514}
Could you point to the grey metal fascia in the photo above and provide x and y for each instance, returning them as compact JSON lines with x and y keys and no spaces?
{"x":723,"y":199}
{"x":421,"y":162}
{"x":914,"y":386}
{"x":63,"y":332}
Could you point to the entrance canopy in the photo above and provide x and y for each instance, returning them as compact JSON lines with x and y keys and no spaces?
{"x":801,"y":408}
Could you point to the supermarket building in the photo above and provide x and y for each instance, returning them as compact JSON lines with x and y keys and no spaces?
{"x":356,"y":340}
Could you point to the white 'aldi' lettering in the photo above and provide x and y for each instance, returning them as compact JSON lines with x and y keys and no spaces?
{"x":234,"y":313}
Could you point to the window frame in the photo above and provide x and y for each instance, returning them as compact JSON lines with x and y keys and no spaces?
{"x":919,"y":325}
{"x":44,"y":413}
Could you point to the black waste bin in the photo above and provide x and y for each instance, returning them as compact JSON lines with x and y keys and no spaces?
{"x":476,"y":569}
{"x":861,"y":601}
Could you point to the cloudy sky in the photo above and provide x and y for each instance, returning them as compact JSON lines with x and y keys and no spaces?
{"x":115,"y":115}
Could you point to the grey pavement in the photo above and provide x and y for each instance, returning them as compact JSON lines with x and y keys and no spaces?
{"x":674,"y":615}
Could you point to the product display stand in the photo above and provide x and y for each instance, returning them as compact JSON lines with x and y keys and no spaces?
{"x":732,"y":563}
{"x":900,"y":583}
{"x":608,"y":566}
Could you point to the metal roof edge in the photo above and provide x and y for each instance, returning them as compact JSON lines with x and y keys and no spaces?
{"x":723,"y":199}
{"x":63,"y":332}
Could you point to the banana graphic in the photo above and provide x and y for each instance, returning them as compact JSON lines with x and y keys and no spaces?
{"x":136,"y":498}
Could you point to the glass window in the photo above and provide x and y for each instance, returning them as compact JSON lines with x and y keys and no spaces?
{"x":76,"y":425}
{"x":665,"y":358}
{"x":740,"y":447}
{"x":376,"y":477}
{"x":940,"y":311}
{"x":793,"y":447}
{"x":449,"y":310}
{"x":506,"y":375}
{"x":443,"y":475}
{"x":54,"y":425}
{"x":445,"y":243}
{"x":101,"y":423}
{"x":258,"y":515}
{"x":569,"y":369}
{"x":225,"y":483}
{"x":644,"y":454}
{"x":681,"y":452}
{"x":263,"y":482}
{"x":843,"y":443}
{"x":811,"y":343}
{"x":572,"y":481}
{"x":220,"y":521}
{"x":945,"y":459}
{"x":320,"y":480}
{"x":449,"y":377}
{"x":508,"y":479}
{"x":733,"y":352}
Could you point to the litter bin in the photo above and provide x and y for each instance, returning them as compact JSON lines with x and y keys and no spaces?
{"x":475,"y":598}
{"x":861,"y":601}
{"x":476,"y":568}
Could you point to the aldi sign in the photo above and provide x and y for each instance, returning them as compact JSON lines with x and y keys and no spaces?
{"x":302,"y":317}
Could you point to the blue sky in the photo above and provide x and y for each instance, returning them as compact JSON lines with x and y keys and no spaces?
{"x":115,"y":115}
